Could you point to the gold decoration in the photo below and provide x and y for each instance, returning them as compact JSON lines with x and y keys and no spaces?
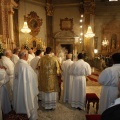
{"x":89,"y":7}
{"x":37,"y":43}
{"x":49,"y":9}
{"x":34,"y":23}
{"x":66,"y":24}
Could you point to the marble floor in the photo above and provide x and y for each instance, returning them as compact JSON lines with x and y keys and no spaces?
{"x":65,"y":112}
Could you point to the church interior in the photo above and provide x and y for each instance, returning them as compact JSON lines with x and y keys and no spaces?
{"x":91,"y":27}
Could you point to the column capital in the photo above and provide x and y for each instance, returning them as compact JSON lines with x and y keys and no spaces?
{"x":11,"y":11}
{"x":89,"y":7}
{"x":49,"y":9}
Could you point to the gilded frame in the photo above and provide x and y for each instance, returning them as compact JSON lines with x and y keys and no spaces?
{"x":34,"y":23}
{"x":66,"y":24}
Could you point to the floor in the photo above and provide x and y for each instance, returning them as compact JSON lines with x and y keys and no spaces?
{"x":65,"y":112}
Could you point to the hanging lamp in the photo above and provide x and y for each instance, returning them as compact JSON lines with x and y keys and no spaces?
{"x":25,"y":28}
{"x":89,"y":33}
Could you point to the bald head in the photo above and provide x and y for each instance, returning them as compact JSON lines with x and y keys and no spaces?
{"x":23,"y":54}
{"x":7,"y":53}
{"x":69,"y":56}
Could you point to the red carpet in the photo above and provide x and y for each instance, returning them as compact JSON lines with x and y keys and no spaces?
{"x":93,"y":117}
{"x":94,"y":76}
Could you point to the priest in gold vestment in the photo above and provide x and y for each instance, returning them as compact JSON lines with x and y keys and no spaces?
{"x":49,"y":69}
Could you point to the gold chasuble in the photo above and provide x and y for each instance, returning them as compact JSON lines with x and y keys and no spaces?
{"x":49,"y":69}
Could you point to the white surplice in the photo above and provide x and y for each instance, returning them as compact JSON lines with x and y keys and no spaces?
{"x":30,"y":57}
{"x":49,"y":100}
{"x":25,"y":90}
{"x":79,"y":70}
{"x":66,"y":79}
{"x":33,"y":54}
{"x":9,"y":65}
{"x":5,"y":104}
{"x":15,"y":58}
{"x":34,"y":62}
{"x":109,"y":79}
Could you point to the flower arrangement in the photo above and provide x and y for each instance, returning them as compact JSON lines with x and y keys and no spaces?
{"x":26,"y":47}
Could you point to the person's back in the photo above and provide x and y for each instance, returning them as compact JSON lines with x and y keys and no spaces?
{"x":66,"y":77}
{"x":9,"y":66}
{"x":109,"y":80}
{"x":112,"y":113}
{"x":79,"y":70}
{"x":5,"y":105}
{"x":15,"y":57}
{"x":48,"y":80}
{"x":48,"y":71}
{"x":7,"y":63}
{"x":25,"y":88}
{"x":34,"y":61}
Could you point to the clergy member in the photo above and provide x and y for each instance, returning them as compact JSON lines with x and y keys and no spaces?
{"x":49,"y":69}
{"x":109,"y":79}
{"x":5,"y":105}
{"x":66,"y":77}
{"x":35,"y":60}
{"x":25,"y":88}
{"x":79,"y":70}
{"x":30,"y":55}
{"x":34,"y":63}
{"x":9,"y":66}
{"x":113,"y":112}
{"x":15,"y":57}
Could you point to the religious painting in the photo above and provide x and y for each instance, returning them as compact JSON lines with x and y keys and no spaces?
{"x":34,"y":23}
{"x":66,"y":24}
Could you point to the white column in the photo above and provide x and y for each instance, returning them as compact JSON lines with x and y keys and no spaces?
{"x":10,"y":27}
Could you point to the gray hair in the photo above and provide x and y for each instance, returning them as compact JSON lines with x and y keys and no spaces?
{"x":6,"y":51}
{"x":22,"y":53}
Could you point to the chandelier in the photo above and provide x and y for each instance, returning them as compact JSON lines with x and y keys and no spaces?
{"x":25,"y":28}
{"x":95,"y":51}
{"x":105,"y":42}
{"x":89,"y":33}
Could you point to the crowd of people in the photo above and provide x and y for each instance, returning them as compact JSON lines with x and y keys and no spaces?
{"x":26,"y":78}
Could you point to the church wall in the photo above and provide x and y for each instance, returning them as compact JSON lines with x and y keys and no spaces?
{"x":40,"y":10}
{"x":106,"y":12}
{"x":69,"y":12}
